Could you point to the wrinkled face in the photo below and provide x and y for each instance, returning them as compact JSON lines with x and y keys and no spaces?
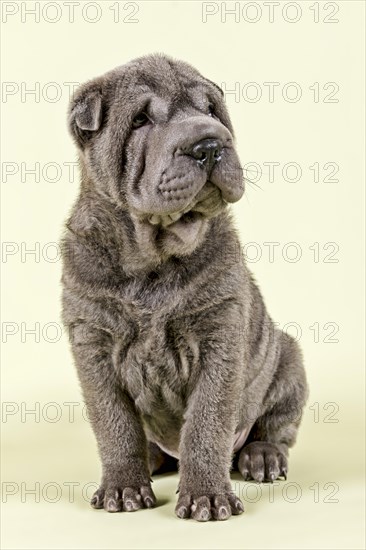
{"x":155,"y":137}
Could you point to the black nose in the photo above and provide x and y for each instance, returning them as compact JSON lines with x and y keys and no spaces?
{"x":207,"y":152}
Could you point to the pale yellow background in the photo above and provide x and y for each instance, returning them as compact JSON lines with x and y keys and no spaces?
{"x":305,"y":292}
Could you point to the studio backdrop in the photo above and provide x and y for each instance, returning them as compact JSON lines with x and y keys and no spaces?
{"x":292,"y":74}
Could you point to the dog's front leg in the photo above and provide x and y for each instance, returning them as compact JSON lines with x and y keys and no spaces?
{"x":117,"y":426}
{"x":207,"y":438}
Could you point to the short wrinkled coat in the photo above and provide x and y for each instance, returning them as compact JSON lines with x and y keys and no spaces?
{"x":176,"y":354}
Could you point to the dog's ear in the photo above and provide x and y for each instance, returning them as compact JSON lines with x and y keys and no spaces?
{"x":85,"y":115}
{"x":216,"y":86}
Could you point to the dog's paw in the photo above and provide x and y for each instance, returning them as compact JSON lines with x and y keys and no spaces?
{"x":262,"y":461}
{"x":204,"y":507}
{"x":128,"y":499}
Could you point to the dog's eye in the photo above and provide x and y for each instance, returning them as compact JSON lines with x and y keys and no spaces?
{"x":140,"y":120}
{"x":211,"y":110}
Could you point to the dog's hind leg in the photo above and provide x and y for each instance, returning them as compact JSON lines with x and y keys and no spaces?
{"x":264,"y":455}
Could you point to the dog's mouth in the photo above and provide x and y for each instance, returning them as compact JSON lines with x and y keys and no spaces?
{"x":188,"y":223}
{"x":205,"y":205}
{"x":187,"y":228}
{"x":170,"y":220}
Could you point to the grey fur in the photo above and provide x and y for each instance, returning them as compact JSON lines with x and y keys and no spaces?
{"x":175,"y":352}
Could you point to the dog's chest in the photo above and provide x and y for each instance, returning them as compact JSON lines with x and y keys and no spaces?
{"x":158,"y":365}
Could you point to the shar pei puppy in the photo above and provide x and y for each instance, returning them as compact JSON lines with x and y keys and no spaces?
{"x":180,"y":364}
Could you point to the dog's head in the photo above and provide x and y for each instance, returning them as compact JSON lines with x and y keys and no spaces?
{"x":155,"y":137}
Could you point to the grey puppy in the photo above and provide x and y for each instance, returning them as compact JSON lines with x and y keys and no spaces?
{"x":177,"y":357}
